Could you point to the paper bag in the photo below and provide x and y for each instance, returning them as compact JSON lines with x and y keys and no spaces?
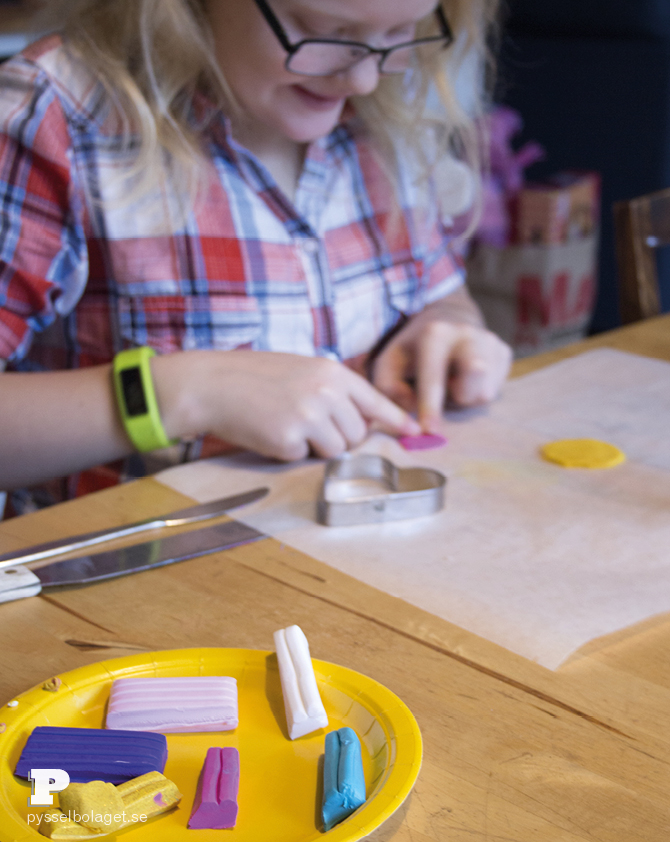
{"x":535,"y":297}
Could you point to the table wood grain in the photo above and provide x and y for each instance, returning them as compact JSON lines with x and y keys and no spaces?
{"x":513,"y":751}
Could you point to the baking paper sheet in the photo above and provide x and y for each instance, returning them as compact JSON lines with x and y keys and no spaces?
{"x":532,"y":556}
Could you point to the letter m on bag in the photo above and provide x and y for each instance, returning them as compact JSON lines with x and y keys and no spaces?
{"x":559,"y":307}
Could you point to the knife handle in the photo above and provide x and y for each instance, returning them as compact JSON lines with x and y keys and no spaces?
{"x":17,"y":583}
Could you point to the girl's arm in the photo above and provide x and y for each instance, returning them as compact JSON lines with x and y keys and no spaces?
{"x":56,"y":423}
{"x":448,"y":354}
{"x":280,"y":405}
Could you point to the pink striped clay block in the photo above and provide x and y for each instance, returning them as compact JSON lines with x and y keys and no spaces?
{"x":215,"y":803}
{"x":173,"y":705}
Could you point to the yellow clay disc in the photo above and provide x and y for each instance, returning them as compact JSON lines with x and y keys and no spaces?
{"x":583,"y":453}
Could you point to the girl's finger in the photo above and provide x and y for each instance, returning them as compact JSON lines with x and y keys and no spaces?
{"x":326,"y":441}
{"x":389,"y":376}
{"x":480,"y":365}
{"x":349,"y":422}
{"x":468,"y":376}
{"x":374,"y":406}
{"x":433,"y":360}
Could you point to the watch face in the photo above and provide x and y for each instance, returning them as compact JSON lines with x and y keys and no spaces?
{"x":133,"y":391}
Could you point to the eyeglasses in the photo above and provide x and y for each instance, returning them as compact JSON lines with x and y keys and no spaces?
{"x":326,"y":56}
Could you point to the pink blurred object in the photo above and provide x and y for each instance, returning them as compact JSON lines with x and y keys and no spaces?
{"x":506,"y":176}
{"x":426,"y":441}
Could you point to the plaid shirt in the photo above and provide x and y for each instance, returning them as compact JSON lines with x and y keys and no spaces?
{"x":84,"y":274}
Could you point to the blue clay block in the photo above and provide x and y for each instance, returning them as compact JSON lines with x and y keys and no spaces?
{"x":351,"y":781}
{"x":343,"y":779}
{"x":92,"y":754}
{"x":331,"y":796}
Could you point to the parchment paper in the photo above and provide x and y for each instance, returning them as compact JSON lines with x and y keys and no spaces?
{"x":535,"y":557}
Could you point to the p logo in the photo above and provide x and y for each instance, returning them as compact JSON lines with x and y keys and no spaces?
{"x":46,"y":782}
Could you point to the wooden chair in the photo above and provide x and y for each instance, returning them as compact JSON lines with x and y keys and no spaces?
{"x":641,"y":226}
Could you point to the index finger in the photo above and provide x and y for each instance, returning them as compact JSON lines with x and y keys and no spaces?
{"x":374,"y":406}
{"x":388,"y":376}
{"x":434,"y":353}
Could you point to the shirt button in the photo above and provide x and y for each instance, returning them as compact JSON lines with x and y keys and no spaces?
{"x":311,"y":246}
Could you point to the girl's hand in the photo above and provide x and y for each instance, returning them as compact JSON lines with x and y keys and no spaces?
{"x":448,"y":354}
{"x":280,"y":405}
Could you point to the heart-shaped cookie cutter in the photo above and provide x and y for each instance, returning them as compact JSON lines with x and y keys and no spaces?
{"x":365,"y":488}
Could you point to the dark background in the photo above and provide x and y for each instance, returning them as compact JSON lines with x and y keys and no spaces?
{"x":591,"y":79}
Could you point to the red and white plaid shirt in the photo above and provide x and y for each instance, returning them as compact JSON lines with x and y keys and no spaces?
{"x":84,"y":274}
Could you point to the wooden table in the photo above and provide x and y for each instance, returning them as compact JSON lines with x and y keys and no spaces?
{"x":513,"y":752}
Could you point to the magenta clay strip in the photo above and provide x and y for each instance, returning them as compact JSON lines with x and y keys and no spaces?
{"x":215,"y":803}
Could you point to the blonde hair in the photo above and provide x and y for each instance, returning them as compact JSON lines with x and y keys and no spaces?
{"x":153,"y":56}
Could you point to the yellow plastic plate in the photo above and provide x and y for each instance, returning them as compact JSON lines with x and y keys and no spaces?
{"x":280,"y":779}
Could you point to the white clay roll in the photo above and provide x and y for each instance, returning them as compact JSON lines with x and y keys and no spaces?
{"x":304,"y":709}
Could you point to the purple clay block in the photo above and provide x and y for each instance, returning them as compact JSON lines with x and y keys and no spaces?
{"x":215,"y":803}
{"x":91,"y":754}
{"x":425,"y":441}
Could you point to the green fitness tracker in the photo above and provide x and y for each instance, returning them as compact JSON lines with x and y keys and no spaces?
{"x":136,"y":399}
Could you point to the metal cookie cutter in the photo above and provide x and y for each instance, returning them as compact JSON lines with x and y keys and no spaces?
{"x":370,"y":489}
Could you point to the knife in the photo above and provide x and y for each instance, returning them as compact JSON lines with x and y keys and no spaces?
{"x":192,"y":514}
{"x":19,"y":582}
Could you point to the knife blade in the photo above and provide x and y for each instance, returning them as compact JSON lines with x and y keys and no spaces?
{"x":191,"y":514}
{"x":19,"y":582}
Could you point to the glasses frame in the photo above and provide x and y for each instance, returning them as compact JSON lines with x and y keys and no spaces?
{"x":446,"y":35}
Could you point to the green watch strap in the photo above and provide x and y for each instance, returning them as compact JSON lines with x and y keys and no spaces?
{"x":136,"y":399}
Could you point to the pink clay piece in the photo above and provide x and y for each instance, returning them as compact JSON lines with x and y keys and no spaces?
{"x":215,"y":803}
{"x":426,"y":441}
{"x":173,"y":704}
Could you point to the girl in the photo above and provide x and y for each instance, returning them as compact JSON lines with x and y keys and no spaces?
{"x":257,"y":191}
